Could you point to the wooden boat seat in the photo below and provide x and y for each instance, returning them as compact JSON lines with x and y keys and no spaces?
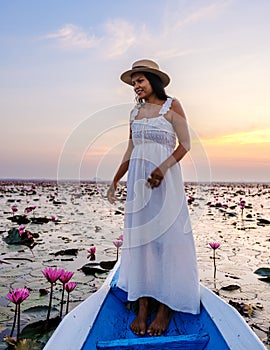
{"x":180,"y":342}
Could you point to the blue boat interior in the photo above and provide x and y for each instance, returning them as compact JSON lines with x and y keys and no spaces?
{"x":186,"y":331}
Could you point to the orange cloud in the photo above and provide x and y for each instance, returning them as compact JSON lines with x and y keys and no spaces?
{"x":245,"y":137}
{"x":247,"y":147}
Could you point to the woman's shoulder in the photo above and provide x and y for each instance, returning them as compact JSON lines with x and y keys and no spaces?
{"x":176,"y":107}
{"x":175,"y":102}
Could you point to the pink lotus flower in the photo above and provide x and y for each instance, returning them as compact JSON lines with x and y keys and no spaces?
{"x":29,"y":236}
{"x":92,"y":250}
{"x":121,"y":237}
{"x":118,"y":244}
{"x":21,"y":231}
{"x":29,"y":209}
{"x":242,"y":204}
{"x":14,"y":208}
{"x":214,"y":245}
{"x":65,"y":276}
{"x":70,"y":286}
{"x":53,"y":218}
{"x":18,"y":295}
{"x":51,"y":274}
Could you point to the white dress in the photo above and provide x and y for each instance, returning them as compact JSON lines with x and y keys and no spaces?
{"x":158,"y":257}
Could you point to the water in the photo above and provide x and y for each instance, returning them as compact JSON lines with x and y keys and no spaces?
{"x":85,"y":218}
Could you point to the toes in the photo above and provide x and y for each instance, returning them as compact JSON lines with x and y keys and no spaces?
{"x":138,"y":329}
{"x":155,"y":331}
{"x":149,"y":331}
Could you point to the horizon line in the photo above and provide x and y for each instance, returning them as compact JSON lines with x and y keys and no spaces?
{"x":109,"y":181}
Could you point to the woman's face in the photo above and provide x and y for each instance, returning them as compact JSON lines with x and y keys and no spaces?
{"x":142,"y":86}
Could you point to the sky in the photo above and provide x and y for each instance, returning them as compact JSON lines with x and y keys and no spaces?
{"x":64,"y":111}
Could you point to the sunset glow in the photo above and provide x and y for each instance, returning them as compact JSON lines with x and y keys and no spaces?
{"x":64,"y":111}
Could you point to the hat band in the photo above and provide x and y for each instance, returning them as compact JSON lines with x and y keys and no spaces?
{"x":141,"y":67}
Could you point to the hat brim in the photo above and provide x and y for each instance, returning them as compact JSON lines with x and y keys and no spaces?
{"x":126,"y":76}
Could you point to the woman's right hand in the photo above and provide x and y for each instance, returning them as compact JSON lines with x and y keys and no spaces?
{"x":111,"y":194}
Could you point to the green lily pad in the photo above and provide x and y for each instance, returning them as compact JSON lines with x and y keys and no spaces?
{"x":263,"y":271}
{"x":39,"y":308}
{"x":13,"y":237}
{"x":36,"y":330}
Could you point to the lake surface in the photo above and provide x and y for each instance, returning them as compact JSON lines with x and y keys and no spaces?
{"x":84,"y":218}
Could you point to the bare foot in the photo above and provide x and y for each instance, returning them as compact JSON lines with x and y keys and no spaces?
{"x":138,"y":325}
{"x":161,"y":321}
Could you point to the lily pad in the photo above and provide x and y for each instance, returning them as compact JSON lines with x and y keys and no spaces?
{"x":91,"y":269}
{"x":40,"y":220}
{"x":263,"y":221}
{"x":231,"y":287}
{"x":36,"y":330}
{"x":19,"y":219}
{"x":263,"y":271}
{"x":107,"y":265}
{"x":14,"y":237}
{"x":67,"y":252}
{"x":265,"y":279}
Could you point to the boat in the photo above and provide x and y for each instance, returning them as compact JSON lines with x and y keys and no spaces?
{"x":101,"y":322}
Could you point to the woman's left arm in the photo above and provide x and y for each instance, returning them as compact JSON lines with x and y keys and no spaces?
{"x":179,"y":122}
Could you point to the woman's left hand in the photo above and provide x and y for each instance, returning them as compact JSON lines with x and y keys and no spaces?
{"x":155,"y":178}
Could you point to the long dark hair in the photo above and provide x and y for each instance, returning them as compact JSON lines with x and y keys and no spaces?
{"x":157,"y":85}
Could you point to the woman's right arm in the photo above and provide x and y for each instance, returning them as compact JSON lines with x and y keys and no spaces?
{"x":123,"y":168}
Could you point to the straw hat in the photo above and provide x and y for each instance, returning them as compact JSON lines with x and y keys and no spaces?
{"x":145,"y":66}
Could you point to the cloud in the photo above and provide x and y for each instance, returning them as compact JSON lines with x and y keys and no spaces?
{"x":245,"y":137}
{"x":120,"y":36}
{"x":71,"y":36}
{"x":202,"y":13}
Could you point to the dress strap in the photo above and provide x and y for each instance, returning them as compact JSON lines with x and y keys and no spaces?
{"x":166,"y":106}
{"x":135,"y":112}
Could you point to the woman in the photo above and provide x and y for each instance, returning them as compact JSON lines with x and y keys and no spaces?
{"x":158,"y":259}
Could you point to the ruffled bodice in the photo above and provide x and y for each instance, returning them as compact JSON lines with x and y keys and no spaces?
{"x":153,"y":130}
{"x":157,"y":130}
